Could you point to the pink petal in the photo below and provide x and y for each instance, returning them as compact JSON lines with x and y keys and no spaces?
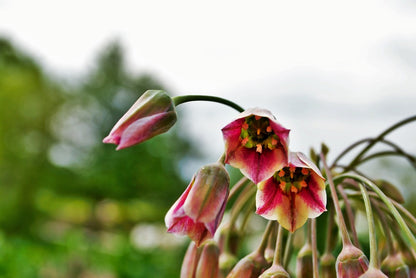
{"x":314,"y":197}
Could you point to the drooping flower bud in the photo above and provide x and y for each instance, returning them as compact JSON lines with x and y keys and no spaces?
{"x":304,"y":266}
{"x":190,"y":261}
{"x":251,"y":266}
{"x":351,"y":262}
{"x":327,"y":263}
{"x":275,"y":271}
{"x":152,"y":114}
{"x":200,"y":209}
{"x":293,"y":194}
{"x":208,"y":262}
{"x":394,"y":266}
{"x":256,"y":144}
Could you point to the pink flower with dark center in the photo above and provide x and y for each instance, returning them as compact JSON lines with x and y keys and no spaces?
{"x":293,"y":194}
{"x":152,"y":114}
{"x":199,"y":211}
{"x":256,"y":144}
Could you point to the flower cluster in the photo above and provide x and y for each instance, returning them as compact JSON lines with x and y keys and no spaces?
{"x":287,"y":188}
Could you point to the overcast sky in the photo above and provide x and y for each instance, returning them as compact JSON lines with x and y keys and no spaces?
{"x":330,"y":71}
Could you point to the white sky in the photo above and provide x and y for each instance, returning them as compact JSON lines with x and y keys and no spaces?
{"x":331,"y":71}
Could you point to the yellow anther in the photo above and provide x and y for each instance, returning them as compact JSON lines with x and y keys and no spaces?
{"x":269,"y":129}
{"x":244,"y":141}
{"x":259,"y":148}
{"x":292,"y":169}
{"x":281,"y":173}
{"x":258,"y":131}
{"x":283,"y":186}
{"x":293,"y":189}
{"x":274,"y":142}
{"x":305,"y":171}
{"x":244,"y":126}
{"x":303,"y":184}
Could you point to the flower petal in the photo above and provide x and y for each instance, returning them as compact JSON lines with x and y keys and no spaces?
{"x":314,"y":197}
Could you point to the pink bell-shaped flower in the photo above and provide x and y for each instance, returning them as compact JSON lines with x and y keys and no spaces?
{"x":293,"y":194}
{"x":256,"y":144}
{"x":199,"y":211}
{"x":152,"y":114}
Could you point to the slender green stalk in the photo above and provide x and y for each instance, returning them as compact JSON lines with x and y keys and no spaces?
{"x":237,"y":186}
{"x":350,"y":215}
{"x":386,"y":153}
{"x":277,"y":260}
{"x":314,"y":248}
{"x":341,"y":223}
{"x":328,"y":243}
{"x":182,"y":99}
{"x":288,"y":250}
{"x":378,"y":138}
{"x":374,"y":261}
{"x":410,"y":237}
{"x":264,"y":239}
{"x":382,"y":219}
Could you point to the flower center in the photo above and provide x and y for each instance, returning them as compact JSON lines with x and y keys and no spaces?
{"x":256,"y":132}
{"x":292,"y":179}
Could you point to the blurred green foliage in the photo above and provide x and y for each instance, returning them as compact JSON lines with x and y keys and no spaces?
{"x":68,"y":202}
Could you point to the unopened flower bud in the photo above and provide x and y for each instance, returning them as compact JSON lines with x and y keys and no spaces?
{"x":351,"y":262}
{"x":374,"y":273}
{"x":200,"y":209}
{"x":152,"y":114}
{"x":190,"y":261}
{"x":304,"y":266}
{"x":275,"y":271}
{"x":394,"y":266}
{"x":327,"y":264}
{"x":251,"y":266}
{"x":208,"y":262}
{"x":227,"y":262}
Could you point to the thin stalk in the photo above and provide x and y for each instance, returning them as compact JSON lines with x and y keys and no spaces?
{"x":350,"y":215}
{"x":328,"y":245}
{"x":341,"y":223}
{"x":378,"y":138}
{"x":410,"y":237}
{"x":374,"y":261}
{"x":182,"y":99}
{"x":369,"y":140}
{"x":247,"y":214}
{"x":381,"y":218}
{"x":288,"y":250}
{"x":386,"y":153}
{"x":277,"y":260}
{"x":314,"y":248}
{"x":265,"y":237}
{"x":237,"y":186}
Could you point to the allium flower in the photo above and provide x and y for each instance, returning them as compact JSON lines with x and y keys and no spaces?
{"x":152,"y":114}
{"x":256,"y":144}
{"x":199,"y":210}
{"x":293,"y":194}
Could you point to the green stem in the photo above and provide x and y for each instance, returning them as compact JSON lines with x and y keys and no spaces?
{"x":378,"y":138}
{"x":341,"y":223}
{"x":350,"y":215}
{"x":374,"y":262}
{"x":314,"y":248}
{"x":182,"y":99}
{"x":384,"y":226}
{"x":288,"y":250}
{"x":385,"y":153}
{"x":277,"y":260}
{"x":264,"y":239}
{"x":237,"y":186}
{"x":410,"y":237}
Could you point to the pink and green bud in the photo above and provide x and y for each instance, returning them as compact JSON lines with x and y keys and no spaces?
{"x":374,"y":273}
{"x":351,"y":262}
{"x":394,"y":266}
{"x":293,"y":194}
{"x":256,"y":144}
{"x":251,"y":266}
{"x":190,"y":261}
{"x":275,"y":271}
{"x":199,"y":210}
{"x":152,"y":114}
{"x":208,"y":262}
{"x":304,"y":266}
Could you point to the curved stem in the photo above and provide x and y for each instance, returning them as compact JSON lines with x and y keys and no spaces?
{"x":237,"y":186}
{"x":350,"y":215}
{"x":374,"y":261}
{"x":264,"y":239}
{"x":187,"y":98}
{"x":385,"y":153}
{"x":378,"y":138}
{"x":341,"y":223}
{"x":410,"y":237}
{"x":382,"y":219}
